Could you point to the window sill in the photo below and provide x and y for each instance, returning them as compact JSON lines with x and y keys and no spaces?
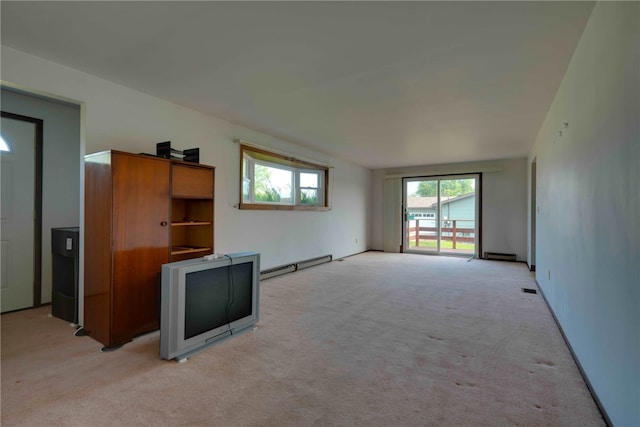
{"x":268,"y":207}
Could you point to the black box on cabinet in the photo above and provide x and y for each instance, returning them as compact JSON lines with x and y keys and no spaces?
{"x":164,"y":150}
{"x":191,"y":155}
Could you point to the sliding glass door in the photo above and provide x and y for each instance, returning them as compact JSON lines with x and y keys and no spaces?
{"x":441,"y":215}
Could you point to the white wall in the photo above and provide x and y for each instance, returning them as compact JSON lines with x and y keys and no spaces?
{"x":60,"y":168}
{"x":504,"y":202}
{"x":588,"y":224}
{"x":119,"y":118}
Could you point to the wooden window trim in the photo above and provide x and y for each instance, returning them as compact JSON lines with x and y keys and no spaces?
{"x":276,"y":158}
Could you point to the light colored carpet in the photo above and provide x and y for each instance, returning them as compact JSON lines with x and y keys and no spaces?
{"x":377,"y":340}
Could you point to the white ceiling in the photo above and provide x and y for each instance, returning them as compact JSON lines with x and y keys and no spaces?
{"x":383,"y":84}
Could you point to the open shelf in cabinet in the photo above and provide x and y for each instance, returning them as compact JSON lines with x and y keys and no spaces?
{"x":181,"y":250}
{"x":191,"y":228}
{"x":185,"y":212}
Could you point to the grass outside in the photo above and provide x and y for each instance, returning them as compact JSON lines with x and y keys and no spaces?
{"x":432,"y":244}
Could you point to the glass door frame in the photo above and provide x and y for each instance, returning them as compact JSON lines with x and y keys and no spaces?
{"x":406,"y":247}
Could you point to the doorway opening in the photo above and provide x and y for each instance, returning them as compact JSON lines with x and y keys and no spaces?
{"x":21,"y":212}
{"x":61,"y":176}
{"x":441,"y":215}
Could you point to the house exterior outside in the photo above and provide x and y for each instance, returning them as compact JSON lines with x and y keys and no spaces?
{"x":457,"y":223}
{"x":459,"y":208}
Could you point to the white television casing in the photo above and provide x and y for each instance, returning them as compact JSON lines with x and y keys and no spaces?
{"x":173,"y":343}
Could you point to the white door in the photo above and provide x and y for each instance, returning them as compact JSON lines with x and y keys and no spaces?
{"x":17,"y":213}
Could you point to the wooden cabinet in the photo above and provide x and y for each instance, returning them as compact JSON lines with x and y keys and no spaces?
{"x":140,"y":212}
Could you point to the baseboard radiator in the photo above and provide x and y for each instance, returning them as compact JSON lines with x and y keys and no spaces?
{"x":313,"y":262}
{"x":277,"y":271}
{"x":496,"y":256}
{"x":290,"y":268}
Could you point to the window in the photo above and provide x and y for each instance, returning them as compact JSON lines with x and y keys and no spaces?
{"x":274,"y":181}
{"x":4,"y":146}
{"x":424,"y":215}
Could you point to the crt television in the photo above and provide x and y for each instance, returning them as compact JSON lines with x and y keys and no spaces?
{"x":207,"y":300}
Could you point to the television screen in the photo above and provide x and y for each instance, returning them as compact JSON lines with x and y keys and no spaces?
{"x":216,"y":297}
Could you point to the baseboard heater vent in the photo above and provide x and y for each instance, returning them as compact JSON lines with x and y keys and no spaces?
{"x":529,"y":291}
{"x":277,"y":271}
{"x":290,"y":268}
{"x":495,"y":256}
{"x":313,"y":262}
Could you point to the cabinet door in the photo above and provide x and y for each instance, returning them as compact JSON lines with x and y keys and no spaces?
{"x":141,"y":215}
{"x":192,"y":181}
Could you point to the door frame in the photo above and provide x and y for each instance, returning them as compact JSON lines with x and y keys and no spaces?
{"x":37,"y":204}
{"x":533,"y":214}
{"x":478,"y":207}
{"x":405,"y":216}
